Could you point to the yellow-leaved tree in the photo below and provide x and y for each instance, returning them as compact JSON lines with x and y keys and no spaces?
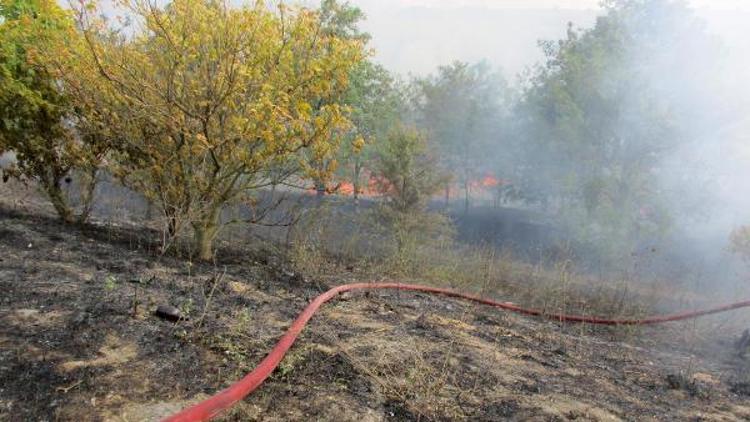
{"x":210,"y":102}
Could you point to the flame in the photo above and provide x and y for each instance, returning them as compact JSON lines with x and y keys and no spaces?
{"x":490,"y":181}
{"x":345,"y":188}
{"x":487,"y":182}
{"x":374,"y":186}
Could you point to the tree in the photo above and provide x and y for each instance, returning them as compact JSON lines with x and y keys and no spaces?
{"x":341,"y":20}
{"x":603,"y":112}
{"x":376,"y":104}
{"x":211,"y":103}
{"x":407,"y":178}
{"x":463,"y":109}
{"x":372,"y":99}
{"x":39,"y":120}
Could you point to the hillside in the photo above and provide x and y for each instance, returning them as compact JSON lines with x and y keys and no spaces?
{"x":74,"y":346}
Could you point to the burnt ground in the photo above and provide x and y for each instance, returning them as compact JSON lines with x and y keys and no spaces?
{"x":79,"y":341}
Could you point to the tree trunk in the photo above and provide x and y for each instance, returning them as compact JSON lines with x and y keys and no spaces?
{"x":172,"y":223}
{"x":320,"y":189}
{"x":356,"y":182}
{"x":57,"y":198}
{"x":205,"y":233}
{"x":88,"y":186}
{"x":320,"y":192}
{"x":466,"y":197}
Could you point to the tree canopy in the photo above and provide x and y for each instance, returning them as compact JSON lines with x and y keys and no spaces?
{"x":210,"y":102}
{"x":599,"y":118}
{"x":38,"y":118}
{"x":463,"y":108}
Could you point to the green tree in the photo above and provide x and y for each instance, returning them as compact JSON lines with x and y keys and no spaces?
{"x":39,"y":122}
{"x":408,"y":177}
{"x":212,"y":102}
{"x":341,"y":20}
{"x":600,"y":116}
{"x":462,"y":108}
{"x":375,"y":104}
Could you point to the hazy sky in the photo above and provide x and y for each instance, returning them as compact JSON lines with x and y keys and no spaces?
{"x":415,"y":36}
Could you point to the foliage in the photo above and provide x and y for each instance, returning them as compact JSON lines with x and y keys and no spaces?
{"x":211,"y":103}
{"x":406,"y":172}
{"x":39,"y":119}
{"x":598,"y":123}
{"x":408,"y":178}
{"x":376,"y":103}
{"x":463,"y":109}
{"x":341,"y":19}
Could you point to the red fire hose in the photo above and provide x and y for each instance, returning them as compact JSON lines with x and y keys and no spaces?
{"x":210,"y":407}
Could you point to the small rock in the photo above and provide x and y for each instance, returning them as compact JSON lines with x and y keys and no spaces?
{"x":168,"y":312}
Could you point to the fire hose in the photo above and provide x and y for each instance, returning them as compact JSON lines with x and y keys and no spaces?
{"x":212,"y":406}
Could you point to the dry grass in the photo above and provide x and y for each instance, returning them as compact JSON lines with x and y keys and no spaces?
{"x":391,"y":356}
{"x":552,"y":287}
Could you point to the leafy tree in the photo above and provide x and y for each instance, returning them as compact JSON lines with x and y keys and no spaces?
{"x":340,"y":19}
{"x":211,"y":103}
{"x":376,"y":104}
{"x":600,"y":117}
{"x":371,"y":97}
{"x":39,"y":120}
{"x":407,"y":178}
{"x":463,"y":109}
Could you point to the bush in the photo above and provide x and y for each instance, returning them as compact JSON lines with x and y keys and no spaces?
{"x":740,"y":243}
{"x":230,"y":109}
{"x":407,"y":178}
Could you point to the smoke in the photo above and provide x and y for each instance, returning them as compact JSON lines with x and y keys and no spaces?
{"x":709,"y":176}
{"x":694,"y":64}
{"x":695,"y":61}
{"x":415,"y":37}
{"x":690,"y":65}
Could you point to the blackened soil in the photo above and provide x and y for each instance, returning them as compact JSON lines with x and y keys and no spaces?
{"x":79,"y":341}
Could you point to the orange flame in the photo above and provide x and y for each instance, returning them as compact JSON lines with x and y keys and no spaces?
{"x":490,"y":182}
{"x":487,"y":182}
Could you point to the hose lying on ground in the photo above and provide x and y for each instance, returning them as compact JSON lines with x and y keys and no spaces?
{"x":210,"y":407}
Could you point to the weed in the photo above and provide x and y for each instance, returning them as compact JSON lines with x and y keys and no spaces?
{"x":110,"y":282}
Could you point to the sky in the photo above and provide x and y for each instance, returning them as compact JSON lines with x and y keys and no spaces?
{"x":416,"y":36}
